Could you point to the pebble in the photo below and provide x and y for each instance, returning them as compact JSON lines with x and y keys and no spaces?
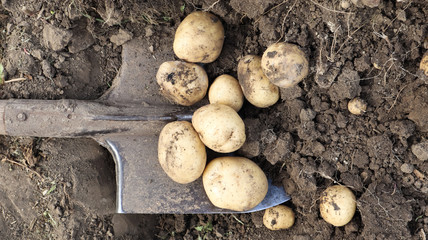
{"x":421,"y":150}
{"x":345,"y":4}
{"x":407,"y":168}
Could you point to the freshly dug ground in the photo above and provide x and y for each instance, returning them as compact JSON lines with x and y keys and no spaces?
{"x":65,"y":188}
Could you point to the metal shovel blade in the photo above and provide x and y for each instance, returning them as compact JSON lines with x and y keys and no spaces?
{"x":143,"y":187}
{"x":127,"y":121}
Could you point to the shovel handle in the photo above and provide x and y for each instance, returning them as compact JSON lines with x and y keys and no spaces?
{"x":78,"y":118}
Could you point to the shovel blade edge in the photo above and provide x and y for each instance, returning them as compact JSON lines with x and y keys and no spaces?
{"x":143,"y":186}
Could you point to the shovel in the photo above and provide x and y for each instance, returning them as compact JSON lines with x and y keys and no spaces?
{"x":127,"y":121}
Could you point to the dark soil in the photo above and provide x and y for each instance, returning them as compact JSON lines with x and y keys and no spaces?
{"x":65,"y":188}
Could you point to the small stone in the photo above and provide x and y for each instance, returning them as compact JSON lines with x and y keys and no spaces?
{"x":401,"y":15}
{"x":407,"y":168}
{"x":121,"y":37}
{"x":421,"y":150}
{"x":345,"y":4}
{"x":418,"y":184}
{"x":149,"y":31}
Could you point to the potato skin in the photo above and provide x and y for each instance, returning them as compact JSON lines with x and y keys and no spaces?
{"x":337,"y":205}
{"x":181,"y":82}
{"x":199,"y":38}
{"x":285,"y":64}
{"x":234,"y":183}
{"x":424,"y":64}
{"x":219,"y":127}
{"x":278,"y":217}
{"x":357,"y":106}
{"x":257,"y":88}
{"x":181,"y":153}
{"x":226,"y":90}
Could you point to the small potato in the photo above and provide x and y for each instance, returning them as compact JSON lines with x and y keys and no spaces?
{"x":424,"y":64}
{"x":257,"y":88}
{"x":278,"y":217}
{"x":357,"y":106}
{"x":337,"y":205}
{"x":199,"y":38}
{"x":181,"y":82}
{"x":181,"y":153}
{"x":226,"y":90}
{"x":234,"y":183}
{"x":285,"y":64}
{"x":219,"y":127}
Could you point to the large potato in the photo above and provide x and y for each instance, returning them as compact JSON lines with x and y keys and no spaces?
{"x":219,"y":127}
{"x":284,"y":64}
{"x":226,"y":90}
{"x":257,"y":88}
{"x":181,"y":153}
{"x":337,"y":205}
{"x":199,"y":38}
{"x":234,"y":183}
{"x":181,"y":82}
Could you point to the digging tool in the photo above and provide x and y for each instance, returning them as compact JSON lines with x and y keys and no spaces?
{"x":127,"y":121}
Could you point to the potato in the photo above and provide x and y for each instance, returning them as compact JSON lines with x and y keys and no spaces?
{"x":181,"y":153}
{"x":357,"y":106}
{"x":284,"y":64}
{"x":424,"y":64}
{"x":234,"y":183}
{"x":219,"y":127}
{"x":278,"y":217}
{"x":226,"y":90}
{"x":199,"y":38}
{"x":257,"y":88}
{"x":181,"y":82}
{"x":337,"y":205}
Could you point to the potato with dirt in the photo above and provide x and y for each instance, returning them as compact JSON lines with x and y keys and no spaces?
{"x":337,"y":205}
{"x":257,"y":88}
{"x":234,"y":183}
{"x":357,"y":106}
{"x":181,"y":82}
{"x":219,"y":127}
{"x":226,"y":90}
{"x":285,"y":64}
{"x":199,"y":38}
{"x":278,"y":217}
{"x":181,"y":153}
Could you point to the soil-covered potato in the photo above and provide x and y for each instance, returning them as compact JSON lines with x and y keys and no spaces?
{"x":234,"y":183}
{"x":257,"y":88}
{"x":285,"y":64}
{"x":226,"y":90}
{"x":199,"y":38}
{"x":357,"y":106}
{"x":219,"y":127}
{"x":278,"y":217}
{"x":424,"y":64}
{"x":181,"y":82}
{"x":181,"y":153}
{"x":337,"y":205}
